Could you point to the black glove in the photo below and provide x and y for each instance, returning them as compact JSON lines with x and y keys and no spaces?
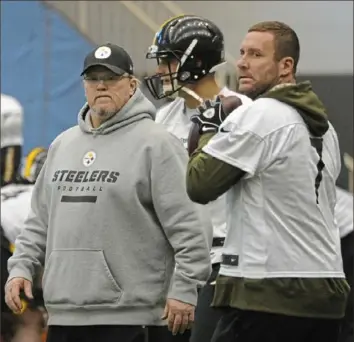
{"x":210,"y":115}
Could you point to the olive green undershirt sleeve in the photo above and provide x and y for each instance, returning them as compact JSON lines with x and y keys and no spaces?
{"x":208,"y":177}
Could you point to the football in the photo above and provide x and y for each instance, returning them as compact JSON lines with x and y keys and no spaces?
{"x":229,"y":104}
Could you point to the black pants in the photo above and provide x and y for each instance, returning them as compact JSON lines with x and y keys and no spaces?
{"x":168,"y":337}
{"x":5,"y":255}
{"x":206,"y":317}
{"x":249,"y":326}
{"x":347,"y":245}
{"x":110,"y":333}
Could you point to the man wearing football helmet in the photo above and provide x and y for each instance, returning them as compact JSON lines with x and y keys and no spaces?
{"x":15,"y":205}
{"x":188,"y":50}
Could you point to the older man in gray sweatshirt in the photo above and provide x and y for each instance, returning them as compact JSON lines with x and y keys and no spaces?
{"x":110,"y":218}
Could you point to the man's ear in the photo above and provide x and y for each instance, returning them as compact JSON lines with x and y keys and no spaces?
{"x":133,"y":86}
{"x":287,"y":66}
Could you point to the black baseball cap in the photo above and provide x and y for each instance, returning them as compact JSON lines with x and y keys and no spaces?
{"x":111,"y":56}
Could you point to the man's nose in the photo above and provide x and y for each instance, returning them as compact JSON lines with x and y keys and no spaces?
{"x":101,"y":85}
{"x":241,"y":63}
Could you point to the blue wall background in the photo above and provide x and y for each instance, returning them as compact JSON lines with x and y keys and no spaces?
{"x":41,"y":61}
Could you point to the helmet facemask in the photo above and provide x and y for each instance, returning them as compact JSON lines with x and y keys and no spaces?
{"x":178,"y":78}
{"x":157,"y":84}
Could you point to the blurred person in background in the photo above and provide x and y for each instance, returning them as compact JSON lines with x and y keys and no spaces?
{"x":344,"y":218}
{"x":11,"y":138}
{"x":189,"y":50}
{"x":15,"y":206}
{"x":109,"y":218}
{"x":281,"y":276}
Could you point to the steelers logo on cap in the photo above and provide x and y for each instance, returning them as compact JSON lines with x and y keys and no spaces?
{"x":103,"y":52}
{"x":89,"y":158}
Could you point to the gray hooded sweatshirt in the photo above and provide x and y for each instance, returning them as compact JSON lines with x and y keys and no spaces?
{"x":109,"y":219}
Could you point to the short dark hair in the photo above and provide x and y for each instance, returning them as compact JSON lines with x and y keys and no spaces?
{"x":285,"y":39}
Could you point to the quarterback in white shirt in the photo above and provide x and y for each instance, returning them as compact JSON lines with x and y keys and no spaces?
{"x":188,"y":50}
{"x":277,"y":159}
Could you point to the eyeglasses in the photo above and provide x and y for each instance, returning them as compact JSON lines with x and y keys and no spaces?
{"x":107,"y":79}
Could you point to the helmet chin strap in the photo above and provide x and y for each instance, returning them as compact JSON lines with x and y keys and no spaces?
{"x":167,"y":88}
{"x":192,"y":93}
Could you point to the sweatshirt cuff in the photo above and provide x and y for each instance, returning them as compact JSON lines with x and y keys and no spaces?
{"x":184,"y":292}
{"x":20,"y":273}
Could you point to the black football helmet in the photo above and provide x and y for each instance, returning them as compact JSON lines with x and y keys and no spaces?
{"x":197,"y":45}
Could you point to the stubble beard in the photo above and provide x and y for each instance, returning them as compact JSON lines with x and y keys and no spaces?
{"x":259,"y":90}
